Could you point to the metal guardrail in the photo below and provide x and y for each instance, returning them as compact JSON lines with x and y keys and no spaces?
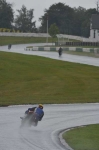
{"x":76,"y":49}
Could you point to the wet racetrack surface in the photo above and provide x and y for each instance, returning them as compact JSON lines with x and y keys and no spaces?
{"x":45,"y":135}
{"x":53,"y":55}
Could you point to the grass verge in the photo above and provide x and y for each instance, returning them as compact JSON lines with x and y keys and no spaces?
{"x":4,"y":40}
{"x":83,"y":138}
{"x":32,"y":79}
{"x":89,"y":54}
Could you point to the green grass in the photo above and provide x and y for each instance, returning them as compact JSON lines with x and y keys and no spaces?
{"x":83,"y":138}
{"x":90,"y":54}
{"x":32,"y":79}
{"x":4,"y":40}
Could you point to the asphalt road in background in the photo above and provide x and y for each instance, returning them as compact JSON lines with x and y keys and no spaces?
{"x":57,"y":117}
{"x":53,"y":55}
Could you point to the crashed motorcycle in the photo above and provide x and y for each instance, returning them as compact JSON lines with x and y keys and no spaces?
{"x":29,"y":120}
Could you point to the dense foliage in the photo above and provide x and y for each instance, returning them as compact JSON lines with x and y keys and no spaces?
{"x":23,"y":21}
{"x":53,"y":30}
{"x":73,"y":21}
{"x":6,"y":14}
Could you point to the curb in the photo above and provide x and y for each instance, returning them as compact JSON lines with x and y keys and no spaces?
{"x":63,"y":141}
{"x":64,"y":131}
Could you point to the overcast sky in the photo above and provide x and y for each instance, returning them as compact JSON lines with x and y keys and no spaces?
{"x":40,"y":5}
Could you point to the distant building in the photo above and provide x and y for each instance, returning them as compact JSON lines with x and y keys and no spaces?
{"x":94,"y":27}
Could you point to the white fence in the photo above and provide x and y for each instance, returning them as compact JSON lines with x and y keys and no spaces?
{"x":24,"y":34}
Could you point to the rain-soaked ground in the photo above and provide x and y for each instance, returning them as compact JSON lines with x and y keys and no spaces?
{"x":57,"y":117}
{"x":45,"y":135}
{"x":53,"y":55}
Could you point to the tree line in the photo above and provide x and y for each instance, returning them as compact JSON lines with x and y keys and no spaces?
{"x":67,"y":20}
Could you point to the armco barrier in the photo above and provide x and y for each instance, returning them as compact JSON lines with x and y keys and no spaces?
{"x":35,"y":48}
{"x":66,"y":49}
{"x":52,"y":48}
{"x":40,"y":48}
{"x":79,"y":49}
{"x":86,"y":50}
{"x":46,"y":48}
{"x":72,"y":48}
{"x":92,"y":50}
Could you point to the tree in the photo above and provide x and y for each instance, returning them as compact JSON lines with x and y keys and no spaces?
{"x":6,"y":14}
{"x":60,"y":14}
{"x":73,"y":21}
{"x":23,"y":21}
{"x":53,"y":30}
